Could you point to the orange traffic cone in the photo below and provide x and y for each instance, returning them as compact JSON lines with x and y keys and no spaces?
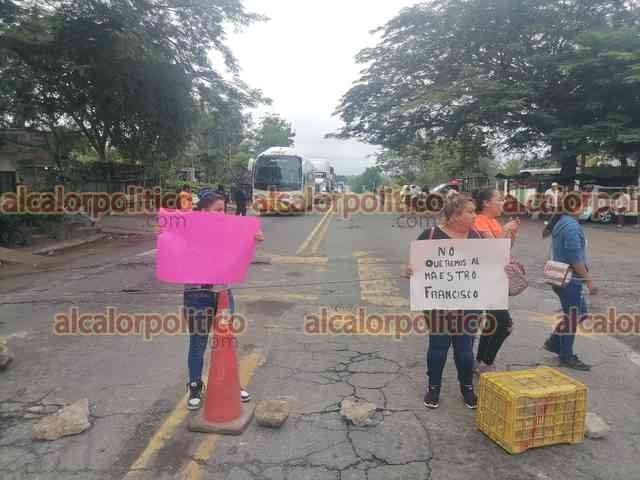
{"x":223,"y":412}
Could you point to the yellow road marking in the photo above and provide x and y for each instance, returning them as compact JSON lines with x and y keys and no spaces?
{"x":377,"y":286}
{"x":551,"y":320}
{"x":194,"y":471}
{"x":292,"y":260}
{"x":322,"y":234}
{"x":246,"y":368}
{"x":387,"y":300}
{"x":305,"y":245}
{"x":283,"y":297}
{"x":162,"y":436}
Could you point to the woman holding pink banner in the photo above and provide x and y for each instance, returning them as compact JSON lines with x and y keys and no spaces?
{"x":200,"y":304}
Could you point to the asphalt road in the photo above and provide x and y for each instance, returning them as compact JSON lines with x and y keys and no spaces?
{"x":136,"y":388}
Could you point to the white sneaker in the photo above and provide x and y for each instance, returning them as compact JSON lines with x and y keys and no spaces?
{"x":245,"y":396}
{"x":195,"y":395}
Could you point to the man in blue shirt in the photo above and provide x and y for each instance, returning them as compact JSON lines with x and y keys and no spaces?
{"x":569,"y":246}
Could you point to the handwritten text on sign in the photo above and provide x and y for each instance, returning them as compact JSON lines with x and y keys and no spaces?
{"x":459,"y":275}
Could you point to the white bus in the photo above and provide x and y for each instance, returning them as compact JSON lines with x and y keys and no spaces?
{"x":282,"y":181}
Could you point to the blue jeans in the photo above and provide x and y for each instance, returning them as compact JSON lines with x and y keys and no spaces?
{"x":442,"y":335}
{"x":200,"y":306}
{"x":575,"y":310}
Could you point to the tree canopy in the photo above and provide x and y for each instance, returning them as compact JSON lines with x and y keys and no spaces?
{"x":563,"y":73}
{"x":272,"y":131}
{"x":133,"y":75}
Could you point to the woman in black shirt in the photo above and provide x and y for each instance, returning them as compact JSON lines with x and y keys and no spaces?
{"x":448,"y":327}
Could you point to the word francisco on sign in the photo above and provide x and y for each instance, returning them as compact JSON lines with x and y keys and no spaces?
{"x":459,"y":274}
{"x":205,"y":248}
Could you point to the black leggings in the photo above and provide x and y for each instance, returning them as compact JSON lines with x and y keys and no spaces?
{"x":497,"y":328}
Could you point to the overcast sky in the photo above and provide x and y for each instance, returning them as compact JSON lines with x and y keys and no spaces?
{"x":303,"y":59}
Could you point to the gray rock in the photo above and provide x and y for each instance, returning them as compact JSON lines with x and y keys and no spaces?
{"x":358,"y":413}
{"x":5,"y":358}
{"x":272,"y":413}
{"x":596,"y":427}
{"x":9,"y":408}
{"x":70,"y":420}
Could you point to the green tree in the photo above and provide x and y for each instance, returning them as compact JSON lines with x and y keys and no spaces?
{"x":608,"y":102}
{"x":479,"y":67}
{"x":272,"y":131}
{"x":437,"y":162}
{"x":127,"y":74}
{"x":368,"y":181}
{"x":512,"y":166}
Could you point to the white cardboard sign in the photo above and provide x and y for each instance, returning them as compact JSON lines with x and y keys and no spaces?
{"x":460,"y":274}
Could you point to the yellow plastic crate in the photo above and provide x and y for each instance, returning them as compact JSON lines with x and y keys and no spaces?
{"x":531,"y":408}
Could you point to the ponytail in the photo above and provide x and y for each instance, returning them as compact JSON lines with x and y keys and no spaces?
{"x":481,"y":196}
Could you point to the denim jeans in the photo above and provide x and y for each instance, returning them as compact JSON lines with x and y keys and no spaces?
{"x":575,"y":309}
{"x":200,"y":306}
{"x":441,"y":337}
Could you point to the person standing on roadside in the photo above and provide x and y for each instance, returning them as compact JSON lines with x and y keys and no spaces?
{"x":623,"y":205}
{"x":498,"y":323}
{"x":240,"y":198}
{"x":221,"y":191}
{"x":568,"y":245}
{"x":185,"y":200}
{"x":448,"y":327}
{"x":200,"y":304}
{"x":552,"y":198}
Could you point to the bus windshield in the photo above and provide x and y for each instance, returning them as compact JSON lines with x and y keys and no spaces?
{"x":281,"y":173}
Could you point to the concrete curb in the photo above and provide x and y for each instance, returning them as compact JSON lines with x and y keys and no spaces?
{"x":22,"y":258}
{"x":68,"y":244}
{"x":124,"y":231}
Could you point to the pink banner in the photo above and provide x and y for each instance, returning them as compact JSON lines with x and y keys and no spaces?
{"x":204,"y":248}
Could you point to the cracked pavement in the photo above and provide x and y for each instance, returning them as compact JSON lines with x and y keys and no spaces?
{"x":134,"y":386}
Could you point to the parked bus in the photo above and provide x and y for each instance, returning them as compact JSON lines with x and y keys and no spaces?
{"x":282,"y":181}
